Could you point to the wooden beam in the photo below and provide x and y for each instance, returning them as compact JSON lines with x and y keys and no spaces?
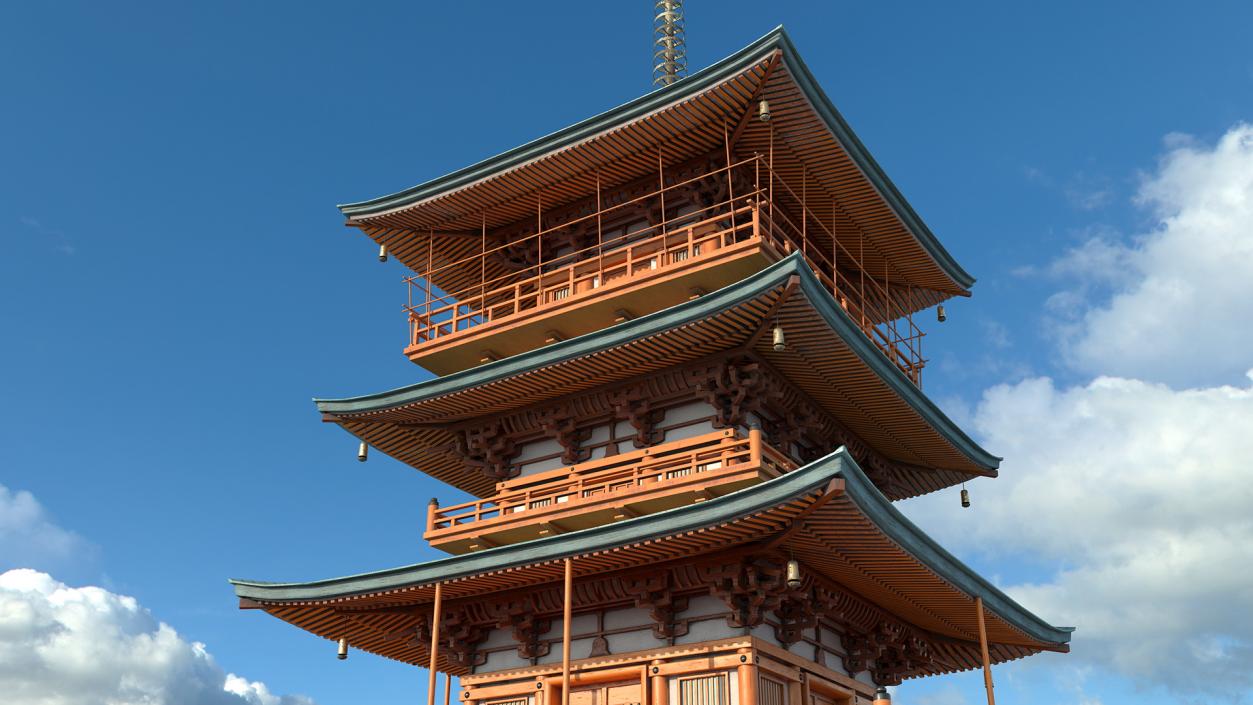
{"x":983,"y":648}
{"x":750,"y":112}
{"x":435,"y":617}
{"x":772,"y":314}
{"x":566,"y":612}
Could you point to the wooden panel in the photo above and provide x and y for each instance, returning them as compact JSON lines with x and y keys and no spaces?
{"x":770,"y":692}
{"x":705,"y":690}
{"x":624,"y":694}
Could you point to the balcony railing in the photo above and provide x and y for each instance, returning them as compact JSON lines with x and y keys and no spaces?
{"x":576,"y":274}
{"x":610,"y":489}
{"x":770,"y":212}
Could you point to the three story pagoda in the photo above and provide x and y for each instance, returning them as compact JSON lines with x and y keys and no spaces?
{"x":679,"y":368}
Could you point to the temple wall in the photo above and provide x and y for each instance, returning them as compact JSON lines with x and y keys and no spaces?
{"x":630,"y":629}
{"x":686,"y":420}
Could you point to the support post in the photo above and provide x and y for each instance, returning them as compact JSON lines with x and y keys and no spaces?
{"x":747,"y":672}
{"x":983,"y":647}
{"x":565,"y":632}
{"x":447,"y":688}
{"x":435,"y":617}
{"x":659,"y":690}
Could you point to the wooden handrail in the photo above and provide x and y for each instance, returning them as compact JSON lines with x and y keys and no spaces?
{"x":610,"y":262}
{"x":873,"y":303}
{"x":708,"y":452}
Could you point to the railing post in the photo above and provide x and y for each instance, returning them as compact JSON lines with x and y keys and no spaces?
{"x":432,"y":507}
{"x":435,"y":618}
{"x":566,"y":614}
{"x":754,"y":445}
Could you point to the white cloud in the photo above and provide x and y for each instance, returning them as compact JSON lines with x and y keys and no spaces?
{"x":61,"y":645}
{"x":29,"y":537}
{"x":1182,"y":293}
{"x":1143,"y":494}
{"x":1129,"y":499}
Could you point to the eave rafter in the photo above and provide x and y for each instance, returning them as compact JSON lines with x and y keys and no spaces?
{"x":894,"y":635}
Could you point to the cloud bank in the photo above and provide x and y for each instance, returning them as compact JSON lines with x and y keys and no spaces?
{"x":62,"y":645}
{"x":1139,"y":483}
{"x":1180,"y":310}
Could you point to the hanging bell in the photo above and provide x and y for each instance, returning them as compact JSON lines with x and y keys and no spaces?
{"x":939,"y":314}
{"x":780,"y":343}
{"x":362,"y":451}
{"x":763,"y":110}
{"x":965,"y":498}
{"x":343,"y":649}
{"x":793,"y":574}
{"x":382,"y":253}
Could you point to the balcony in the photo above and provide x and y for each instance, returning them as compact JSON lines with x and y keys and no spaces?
{"x":642,"y":262}
{"x":583,"y":291}
{"x":602,"y":491}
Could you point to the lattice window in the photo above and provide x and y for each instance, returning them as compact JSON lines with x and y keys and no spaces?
{"x":771,"y":692}
{"x":704,"y":690}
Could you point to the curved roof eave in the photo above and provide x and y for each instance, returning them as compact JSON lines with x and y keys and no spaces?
{"x":681,"y":314}
{"x":879,"y":510}
{"x":776,"y":39}
{"x":727,"y":508}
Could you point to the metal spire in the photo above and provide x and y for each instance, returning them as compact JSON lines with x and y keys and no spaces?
{"x":670,"y":57}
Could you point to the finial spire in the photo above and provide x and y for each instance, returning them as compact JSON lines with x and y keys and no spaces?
{"x":670,"y":57}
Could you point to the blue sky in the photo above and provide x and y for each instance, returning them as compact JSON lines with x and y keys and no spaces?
{"x":178,"y":283}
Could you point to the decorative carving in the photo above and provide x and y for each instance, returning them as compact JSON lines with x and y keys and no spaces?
{"x":460,"y":636}
{"x":632,"y":406}
{"x":750,"y":588}
{"x":491,"y":448}
{"x":799,"y":421}
{"x":795,"y":614}
{"x":654,"y":593}
{"x":519,"y":615}
{"x":890,"y":651}
{"x":734,"y":388}
{"x":562,"y":425}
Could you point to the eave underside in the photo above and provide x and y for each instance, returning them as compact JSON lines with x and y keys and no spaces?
{"x":814,"y":150}
{"x":826,"y":514}
{"x":827,"y":357}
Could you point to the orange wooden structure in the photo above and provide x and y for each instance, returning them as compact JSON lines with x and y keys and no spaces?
{"x":679,"y":369}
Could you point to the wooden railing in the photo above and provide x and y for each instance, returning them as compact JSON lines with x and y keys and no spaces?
{"x":866,"y":301}
{"x":697,"y":462}
{"x":881,"y":304}
{"x":628,"y":256}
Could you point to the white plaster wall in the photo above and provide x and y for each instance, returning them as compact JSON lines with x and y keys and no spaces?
{"x":698,"y":429}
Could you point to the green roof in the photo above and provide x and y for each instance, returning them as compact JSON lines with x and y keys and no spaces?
{"x":682,"y":314}
{"x":728,"y":508}
{"x":691,"y":86}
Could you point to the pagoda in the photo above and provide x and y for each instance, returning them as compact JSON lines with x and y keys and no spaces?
{"x":678,"y":365}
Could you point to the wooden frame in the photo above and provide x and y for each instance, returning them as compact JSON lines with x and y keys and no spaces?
{"x":606,"y":490}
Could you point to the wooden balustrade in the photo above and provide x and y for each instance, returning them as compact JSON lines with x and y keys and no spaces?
{"x":673,"y":246}
{"x":607,"y":489}
{"x":591,"y":269}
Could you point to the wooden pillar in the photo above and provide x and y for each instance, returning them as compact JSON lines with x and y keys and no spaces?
{"x":661,"y":189}
{"x":565,"y":632}
{"x":659,"y":689}
{"x":447,"y":688}
{"x":747,"y":672}
{"x":435,"y":616}
{"x":983,"y":647}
